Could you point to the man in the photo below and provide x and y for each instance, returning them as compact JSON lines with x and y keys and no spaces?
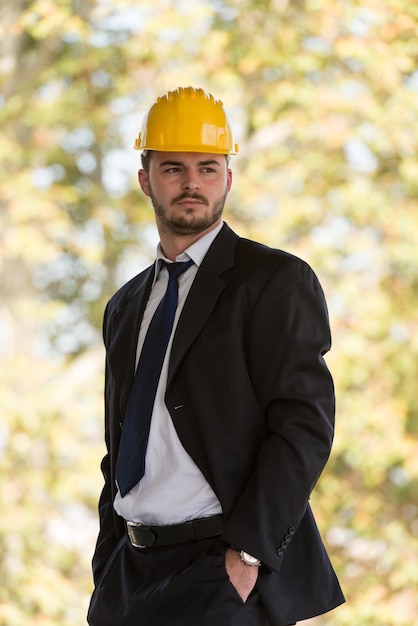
{"x":204,"y":515}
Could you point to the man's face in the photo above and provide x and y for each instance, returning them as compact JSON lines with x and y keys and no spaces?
{"x":187,"y":190}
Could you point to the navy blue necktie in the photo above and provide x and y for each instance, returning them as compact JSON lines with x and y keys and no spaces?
{"x":130,"y":465}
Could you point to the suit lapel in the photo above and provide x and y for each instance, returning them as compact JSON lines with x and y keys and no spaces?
{"x":203,"y":296}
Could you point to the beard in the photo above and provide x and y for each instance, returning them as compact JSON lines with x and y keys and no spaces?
{"x":188,"y":223}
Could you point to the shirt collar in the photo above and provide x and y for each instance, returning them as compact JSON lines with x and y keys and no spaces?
{"x":196,"y":252}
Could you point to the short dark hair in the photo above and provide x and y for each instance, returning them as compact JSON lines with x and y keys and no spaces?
{"x":145,"y":159}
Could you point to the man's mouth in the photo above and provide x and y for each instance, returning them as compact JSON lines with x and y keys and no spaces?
{"x":194,"y":199}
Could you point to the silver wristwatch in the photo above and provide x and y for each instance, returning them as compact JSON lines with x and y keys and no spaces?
{"x":248,"y":558}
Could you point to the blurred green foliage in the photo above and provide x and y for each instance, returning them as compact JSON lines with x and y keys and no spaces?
{"x":324,"y":100}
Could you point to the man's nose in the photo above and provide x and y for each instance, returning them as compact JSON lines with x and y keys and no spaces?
{"x":191,"y":180}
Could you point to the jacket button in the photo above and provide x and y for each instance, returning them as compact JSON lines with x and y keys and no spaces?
{"x":280,"y":551}
{"x":288,"y":538}
{"x":292,"y":530}
{"x":284,"y":545}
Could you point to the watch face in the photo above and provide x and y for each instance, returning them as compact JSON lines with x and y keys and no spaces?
{"x":249,"y":559}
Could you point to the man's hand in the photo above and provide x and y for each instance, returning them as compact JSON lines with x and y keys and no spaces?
{"x":242,"y":576}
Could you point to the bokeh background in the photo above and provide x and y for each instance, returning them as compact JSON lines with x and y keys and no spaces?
{"x":324,"y":101}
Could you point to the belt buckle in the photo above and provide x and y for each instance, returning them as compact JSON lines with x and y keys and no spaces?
{"x":131,"y":534}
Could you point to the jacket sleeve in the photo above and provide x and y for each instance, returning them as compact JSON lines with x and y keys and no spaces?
{"x":287,"y":337}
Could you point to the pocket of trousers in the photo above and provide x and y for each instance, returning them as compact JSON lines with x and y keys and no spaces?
{"x":111,"y":560}
{"x":219,"y":549}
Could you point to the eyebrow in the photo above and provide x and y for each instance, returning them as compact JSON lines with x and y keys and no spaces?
{"x":200,"y":163}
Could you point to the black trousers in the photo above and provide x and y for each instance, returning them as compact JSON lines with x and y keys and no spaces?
{"x":182,"y":585}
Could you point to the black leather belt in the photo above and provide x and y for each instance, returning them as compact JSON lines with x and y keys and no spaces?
{"x":153,"y":536}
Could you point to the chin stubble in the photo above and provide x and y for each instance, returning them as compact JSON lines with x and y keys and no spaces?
{"x":184,"y":225}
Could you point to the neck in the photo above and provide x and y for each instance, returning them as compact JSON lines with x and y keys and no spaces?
{"x":174,"y":244}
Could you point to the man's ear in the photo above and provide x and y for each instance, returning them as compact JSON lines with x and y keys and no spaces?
{"x":229,"y":179}
{"x":144,"y":182}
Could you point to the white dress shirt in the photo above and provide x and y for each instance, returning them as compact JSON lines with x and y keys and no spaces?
{"x":173,"y":489}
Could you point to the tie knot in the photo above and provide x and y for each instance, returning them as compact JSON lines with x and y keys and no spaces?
{"x":176,"y":269}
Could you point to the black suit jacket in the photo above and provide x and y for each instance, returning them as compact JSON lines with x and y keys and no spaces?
{"x":253,"y":404}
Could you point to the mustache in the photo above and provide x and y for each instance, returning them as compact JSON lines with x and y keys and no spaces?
{"x":190,"y":196}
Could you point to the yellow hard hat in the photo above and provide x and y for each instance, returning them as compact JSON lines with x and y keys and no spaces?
{"x":187,"y":120}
